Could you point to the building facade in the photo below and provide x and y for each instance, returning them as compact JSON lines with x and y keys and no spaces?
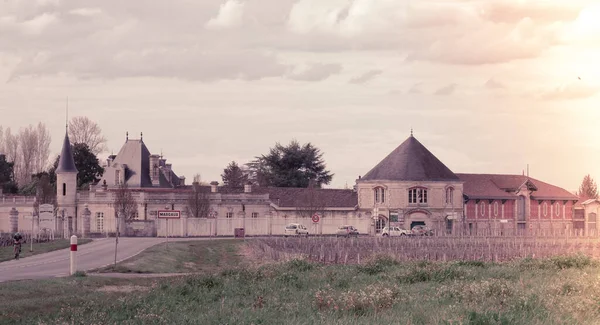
{"x":408,"y":188}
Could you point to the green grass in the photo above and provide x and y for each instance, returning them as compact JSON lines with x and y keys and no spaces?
{"x":183,"y":257}
{"x":562,"y":290}
{"x":7,"y":253}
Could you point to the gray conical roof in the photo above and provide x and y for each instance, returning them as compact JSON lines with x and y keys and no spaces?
{"x":411,"y":161}
{"x":66,"y":164}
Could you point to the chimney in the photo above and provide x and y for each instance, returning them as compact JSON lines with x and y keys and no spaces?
{"x":213,"y":186}
{"x":248,"y":187}
{"x":169,"y":174}
{"x":182,"y":180}
{"x":154,"y":170}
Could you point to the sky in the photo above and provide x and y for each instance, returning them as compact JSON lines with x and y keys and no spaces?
{"x":487,"y":86}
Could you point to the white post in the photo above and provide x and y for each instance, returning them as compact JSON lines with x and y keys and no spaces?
{"x":73,"y":251}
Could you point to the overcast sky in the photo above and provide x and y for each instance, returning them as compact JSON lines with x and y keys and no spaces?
{"x":488,"y":86}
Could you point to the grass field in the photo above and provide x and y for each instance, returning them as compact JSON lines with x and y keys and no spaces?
{"x":183,"y":257}
{"x":7,"y":253}
{"x":381,"y":290}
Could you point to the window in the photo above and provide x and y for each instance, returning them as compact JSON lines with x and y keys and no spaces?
{"x":117,"y":177}
{"x":482,"y":208}
{"x":379,"y":193}
{"x":64,"y":189}
{"x":417,"y":195}
{"x":495,"y":209}
{"x":449,"y":195}
{"x":254,"y":214}
{"x":136,"y":215}
{"x":545,"y":209}
{"x":521,"y":208}
{"x":449,"y":226}
{"x":229,"y":215}
{"x":557,"y":209}
{"x":99,"y":221}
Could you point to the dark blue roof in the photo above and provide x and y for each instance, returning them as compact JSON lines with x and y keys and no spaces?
{"x":66,"y":164}
{"x":411,"y":161}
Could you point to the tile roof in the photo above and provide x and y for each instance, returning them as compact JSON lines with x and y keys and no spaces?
{"x":499,"y":186}
{"x":66,"y":164}
{"x":411,"y":161}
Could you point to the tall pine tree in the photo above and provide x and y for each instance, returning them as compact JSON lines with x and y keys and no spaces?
{"x":588,"y":188}
{"x":234,"y":176}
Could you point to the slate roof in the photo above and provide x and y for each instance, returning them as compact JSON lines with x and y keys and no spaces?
{"x":499,"y":186}
{"x":136,"y":156}
{"x":411,"y":161}
{"x":301,"y":197}
{"x":289,"y":197}
{"x":66,"y":164}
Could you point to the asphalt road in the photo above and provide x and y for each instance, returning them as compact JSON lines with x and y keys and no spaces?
{"x":98,"y":253}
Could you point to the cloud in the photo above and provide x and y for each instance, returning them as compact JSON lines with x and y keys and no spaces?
{"x":316,"y":72}
{"x":37,"y":24}
{"x":367,"y":76}
{"x":575,"y":90}
{"x":493,"y":84}
{"x":189,"y":64}
{"x":230,"y":15}
{"x":448,"y":90}
{"x":415,"y":89}
{"x":86,"y":12}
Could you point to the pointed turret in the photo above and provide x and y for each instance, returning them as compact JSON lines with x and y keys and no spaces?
{"x":66,"y":164}
{"x":66,"y":189}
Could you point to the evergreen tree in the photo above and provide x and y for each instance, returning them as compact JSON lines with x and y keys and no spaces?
{"x":7,"y":176}
{"x":87,"y":164}
{"x":293,"y":165}
{"x":588,"y":188}
{"x":234,"y":176}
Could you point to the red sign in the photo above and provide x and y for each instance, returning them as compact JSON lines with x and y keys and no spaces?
{"x":315,"y":218}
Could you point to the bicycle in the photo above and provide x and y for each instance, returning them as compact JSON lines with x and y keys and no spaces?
{"x":17,"y":249}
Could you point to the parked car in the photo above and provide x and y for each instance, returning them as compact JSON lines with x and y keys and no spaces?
{"x":421,"y":231}
{"x":295,"y":229}
{"x":346,"y":231}
{"x":394,"y":232}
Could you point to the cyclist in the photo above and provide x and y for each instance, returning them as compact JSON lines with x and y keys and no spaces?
{"x":17,"y":244}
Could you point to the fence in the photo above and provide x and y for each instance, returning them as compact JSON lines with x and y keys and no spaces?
{"x":355,"y":250}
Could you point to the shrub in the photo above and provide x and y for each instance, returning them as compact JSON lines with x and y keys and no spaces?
{"x":300,"y":265}
{"x":357,"y":302}
{"x":79,"y":274}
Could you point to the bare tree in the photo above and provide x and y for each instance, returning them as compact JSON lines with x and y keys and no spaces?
{"x":125,"y":207}
{"x":45,"y":191}
{"x":310,"y":202}
{"x":28,"y":154}
{"x":198,"y":202}
{"x":11,"y":147}
{"x":2,"y":140}
{"x":124,"y":204}
{"x":84,"y":130}
{"x":43,"y":147}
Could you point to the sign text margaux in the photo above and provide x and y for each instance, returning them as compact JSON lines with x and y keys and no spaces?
{"x":170,"y":214}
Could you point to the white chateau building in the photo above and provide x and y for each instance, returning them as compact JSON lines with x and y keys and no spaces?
{"x":409,"y":187}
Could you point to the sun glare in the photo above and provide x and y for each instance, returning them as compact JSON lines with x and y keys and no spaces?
{"x":588,"y":22}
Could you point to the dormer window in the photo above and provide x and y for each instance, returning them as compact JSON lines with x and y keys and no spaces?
{"x":417,"y":195}
{"x":379,"y":193}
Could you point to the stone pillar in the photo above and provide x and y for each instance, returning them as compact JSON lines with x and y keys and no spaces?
{"x":183,"y":222}
{"x":86,"y":221}
{"x":14,"y":220}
